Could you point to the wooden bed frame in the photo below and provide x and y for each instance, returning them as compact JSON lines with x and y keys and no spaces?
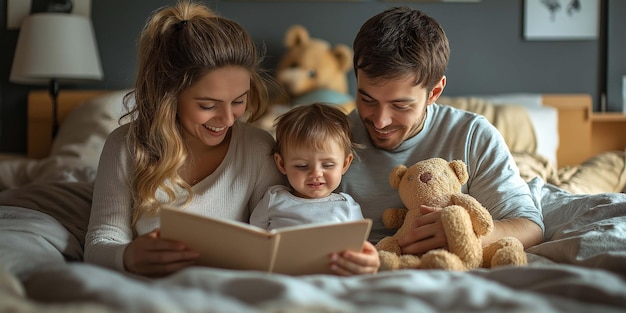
{"x":39,"y":131}
{"x":574,"y":118}
{"x":574,"y":111}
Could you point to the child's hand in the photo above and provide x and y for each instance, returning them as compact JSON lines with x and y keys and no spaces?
{"x":349,"y":263}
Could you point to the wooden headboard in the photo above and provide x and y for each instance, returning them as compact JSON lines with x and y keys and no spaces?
{"x":39,"y":131}
{"x":574,"y":112}
{"x":574,"y":116}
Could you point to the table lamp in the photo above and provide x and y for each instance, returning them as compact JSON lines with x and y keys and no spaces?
{"x":54,"y":48}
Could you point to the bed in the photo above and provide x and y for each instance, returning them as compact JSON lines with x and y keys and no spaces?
{"x":581,"y":267}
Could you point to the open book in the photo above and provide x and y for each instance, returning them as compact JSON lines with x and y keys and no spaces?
{"x":297,"y":250}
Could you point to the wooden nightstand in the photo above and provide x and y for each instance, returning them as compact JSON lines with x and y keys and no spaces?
{"x":608,"y":132}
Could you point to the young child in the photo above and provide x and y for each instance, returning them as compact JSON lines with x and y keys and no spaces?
{"x":314,"y":149}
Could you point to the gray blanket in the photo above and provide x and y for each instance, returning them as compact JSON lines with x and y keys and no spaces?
{"x":536,"y":288}
{"x":580,"y":268}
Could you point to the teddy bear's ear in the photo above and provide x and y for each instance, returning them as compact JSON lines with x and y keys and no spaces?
{"x":460,"y":169}
{"x":396,"y":175}
{"x":296,"y":35}
{"x":343,"y":54}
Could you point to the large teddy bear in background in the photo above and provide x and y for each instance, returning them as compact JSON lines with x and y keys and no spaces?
{"x":310,"y":70}
{"x":437,"y":183}
{"x":313,"y":71}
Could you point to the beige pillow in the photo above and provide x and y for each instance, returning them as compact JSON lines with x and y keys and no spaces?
{"x":602,"y":173}
{"x":512,"y":121}
{"x":533,"y":165}
{"x":85,"y":129}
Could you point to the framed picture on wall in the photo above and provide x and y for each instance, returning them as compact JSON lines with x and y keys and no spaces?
{"x":561,"y":19}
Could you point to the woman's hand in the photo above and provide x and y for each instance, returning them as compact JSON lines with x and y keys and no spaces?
{"x":427,"y":233}
{"x":149,"y":255}
{"x":349,"y":263}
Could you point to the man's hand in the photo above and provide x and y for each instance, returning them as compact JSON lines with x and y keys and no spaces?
{"x":427,"y":233}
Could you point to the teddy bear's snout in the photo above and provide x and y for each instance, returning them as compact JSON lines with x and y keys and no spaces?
{"x":426,"y":177}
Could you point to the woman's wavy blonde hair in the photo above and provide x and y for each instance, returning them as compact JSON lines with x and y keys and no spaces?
{"x":179,"y":45}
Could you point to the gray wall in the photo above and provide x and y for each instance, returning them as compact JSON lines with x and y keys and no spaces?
{"x":616,"y":56}
{"x":489,"y":54}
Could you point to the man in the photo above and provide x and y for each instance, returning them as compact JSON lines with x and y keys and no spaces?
{"x":400,"y":58}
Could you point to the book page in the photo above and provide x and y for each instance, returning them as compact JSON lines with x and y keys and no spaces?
{"x":306,"y":249}
{"x":221,"y":243}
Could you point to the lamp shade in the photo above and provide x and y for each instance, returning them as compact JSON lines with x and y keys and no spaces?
{"x":56,"y":46}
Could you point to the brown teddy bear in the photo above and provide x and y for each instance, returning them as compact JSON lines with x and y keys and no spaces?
{"x":310,"y":70}
{"x":313,"y":71}
{"x":437,"y":183}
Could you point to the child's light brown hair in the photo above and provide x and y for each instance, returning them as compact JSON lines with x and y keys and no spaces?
{"x":313,"y":126}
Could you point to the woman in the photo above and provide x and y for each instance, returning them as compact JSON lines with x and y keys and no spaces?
{"x":186,"y":145}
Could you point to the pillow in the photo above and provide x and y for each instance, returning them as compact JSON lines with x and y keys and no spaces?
{"x":544,"y":120}
{"x":533,"y":165}
{"x":512,"y":121}
{"x":85,"y":129}
{"x":523,"y":99}
{"x":605,"y":172}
